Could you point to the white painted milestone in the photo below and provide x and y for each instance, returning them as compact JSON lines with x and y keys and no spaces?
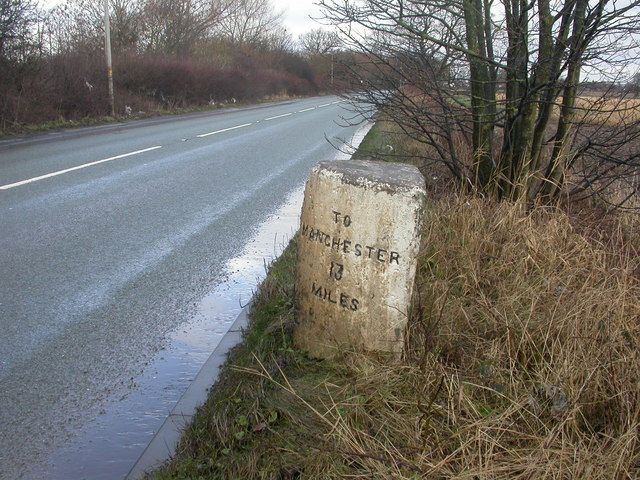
{"x":359,"y":240}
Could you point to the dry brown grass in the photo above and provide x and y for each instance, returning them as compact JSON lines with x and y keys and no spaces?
{"x":523,"y":359}
{"x":605,"y":109}
{"x":609,"y":111}
{"x":534,"y":329}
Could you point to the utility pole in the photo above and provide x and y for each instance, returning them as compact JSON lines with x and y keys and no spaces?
{"x":332,"y":69}
{"x":107,"y":50}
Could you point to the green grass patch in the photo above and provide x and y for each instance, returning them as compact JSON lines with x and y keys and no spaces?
{"x":371,"y":143}
{"x":383,"y":142}
{"x":251,"y":427}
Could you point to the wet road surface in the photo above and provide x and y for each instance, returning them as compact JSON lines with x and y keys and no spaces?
{"x":110,"y":239}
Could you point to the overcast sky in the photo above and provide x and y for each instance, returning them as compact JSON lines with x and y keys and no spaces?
{"x":297,"y":13}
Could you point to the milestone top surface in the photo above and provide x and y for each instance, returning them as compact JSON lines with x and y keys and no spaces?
{"x":389,"y":176}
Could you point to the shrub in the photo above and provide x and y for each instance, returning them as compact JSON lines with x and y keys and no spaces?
{"x":73,"y":85}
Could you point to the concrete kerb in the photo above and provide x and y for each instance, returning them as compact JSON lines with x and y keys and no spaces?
{"x":165,"y":441}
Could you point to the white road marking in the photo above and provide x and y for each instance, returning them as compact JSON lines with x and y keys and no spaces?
{"x":66,"y":170}
{"x":279,"y":116}
{"x":325,"y":105}
{"x":306,"y":109}
{"x":224,"y":130}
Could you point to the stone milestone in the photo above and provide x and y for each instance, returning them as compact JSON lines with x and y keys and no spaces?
{"x":359,"y":240}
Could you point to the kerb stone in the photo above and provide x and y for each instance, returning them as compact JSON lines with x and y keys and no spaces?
{"x":359,"y":240}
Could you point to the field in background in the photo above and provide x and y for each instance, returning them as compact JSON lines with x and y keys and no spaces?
{"x":521,"y":362}
{"x":610,"y":111}
{"x":592,"y":109}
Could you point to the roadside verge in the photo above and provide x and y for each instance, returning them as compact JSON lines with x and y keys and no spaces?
{"x":521,"y":361}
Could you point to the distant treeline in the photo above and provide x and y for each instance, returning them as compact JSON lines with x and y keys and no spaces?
{"x":166,"y":54}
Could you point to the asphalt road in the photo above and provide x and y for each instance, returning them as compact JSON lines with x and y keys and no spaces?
{"x":109,"y":234}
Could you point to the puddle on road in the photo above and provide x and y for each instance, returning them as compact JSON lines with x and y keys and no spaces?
{"x":109,"y":445}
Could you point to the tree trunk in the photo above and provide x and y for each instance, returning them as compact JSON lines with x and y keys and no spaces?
{"x":480,"y":89}
{"x":554,"y":175}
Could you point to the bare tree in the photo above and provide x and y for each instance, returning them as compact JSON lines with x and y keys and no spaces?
{"x":494,"y":89}
{"x":126,"y":24}
{"x":250,"y":21}
{"x":319,"y":41}
{"x":77,"y":25}
{"x":634,"y":84}
{"x":279,"y":39}
{"x":172,"y":27}
{"x":16,"y":20}
{"x":176,"y":27}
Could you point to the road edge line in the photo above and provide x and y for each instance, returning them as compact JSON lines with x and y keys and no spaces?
{"x":202,"y":135}
{"x":278,"y":116}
